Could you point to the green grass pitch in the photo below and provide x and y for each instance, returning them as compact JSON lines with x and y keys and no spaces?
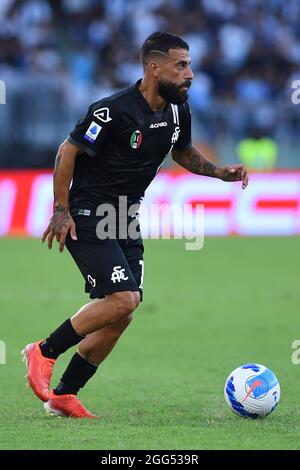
{"x":205,"y":313}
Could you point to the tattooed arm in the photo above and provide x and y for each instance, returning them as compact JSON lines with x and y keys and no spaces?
{"x":61,"y":221}
{"x":195,"y":162}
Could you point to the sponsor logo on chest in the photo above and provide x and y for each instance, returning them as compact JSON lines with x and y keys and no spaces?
{"x":158,"y":124}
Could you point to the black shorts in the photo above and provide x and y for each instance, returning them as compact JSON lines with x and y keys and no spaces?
{"x":110,"y":265}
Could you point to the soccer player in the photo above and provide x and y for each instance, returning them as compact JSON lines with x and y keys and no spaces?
{"x":115,"y":150}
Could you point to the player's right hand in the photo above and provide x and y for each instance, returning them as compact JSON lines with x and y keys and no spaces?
{"x":60,"y":224}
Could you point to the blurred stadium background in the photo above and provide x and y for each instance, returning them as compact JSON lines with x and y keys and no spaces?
{"x":239,"y":296}
{"x":56,"y":57}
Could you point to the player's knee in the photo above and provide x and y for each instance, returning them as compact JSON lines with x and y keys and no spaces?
{"x":125,"y":304}
{"x":128,"y":303}
{"x":136,"y":299}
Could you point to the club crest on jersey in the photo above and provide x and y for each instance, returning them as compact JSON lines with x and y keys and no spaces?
{"x":136,"y":139}
{"x":102,"y":114}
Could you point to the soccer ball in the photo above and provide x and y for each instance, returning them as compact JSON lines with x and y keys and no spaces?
{"x":252,"y":391}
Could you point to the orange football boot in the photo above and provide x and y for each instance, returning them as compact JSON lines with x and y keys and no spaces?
{"x":66,"y":405}
{"x":39,"y":370}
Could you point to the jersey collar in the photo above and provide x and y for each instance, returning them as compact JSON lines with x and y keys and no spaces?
{"x":144,"y":103}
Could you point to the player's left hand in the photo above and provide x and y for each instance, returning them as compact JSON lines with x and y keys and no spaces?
{"x":234,"y":173}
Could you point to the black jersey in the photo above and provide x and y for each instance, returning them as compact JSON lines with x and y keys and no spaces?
{"x":124,"y":143}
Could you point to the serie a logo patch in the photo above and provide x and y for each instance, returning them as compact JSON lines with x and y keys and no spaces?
{"x":136,"y":139}
{"x":92,"y":132}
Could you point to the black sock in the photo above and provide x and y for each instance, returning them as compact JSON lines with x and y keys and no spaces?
{"x":60,"y":340}
{"x":76,"y":375}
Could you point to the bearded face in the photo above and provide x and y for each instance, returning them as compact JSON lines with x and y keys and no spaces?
{"x":172,"y":93}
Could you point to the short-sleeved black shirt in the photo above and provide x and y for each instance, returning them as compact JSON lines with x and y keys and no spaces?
{"x":124,"y":143}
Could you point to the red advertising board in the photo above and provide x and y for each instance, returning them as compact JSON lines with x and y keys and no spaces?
{"x":269,"y":206}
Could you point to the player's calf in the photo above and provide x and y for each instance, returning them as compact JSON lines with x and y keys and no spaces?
{"x":97,"y":345}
